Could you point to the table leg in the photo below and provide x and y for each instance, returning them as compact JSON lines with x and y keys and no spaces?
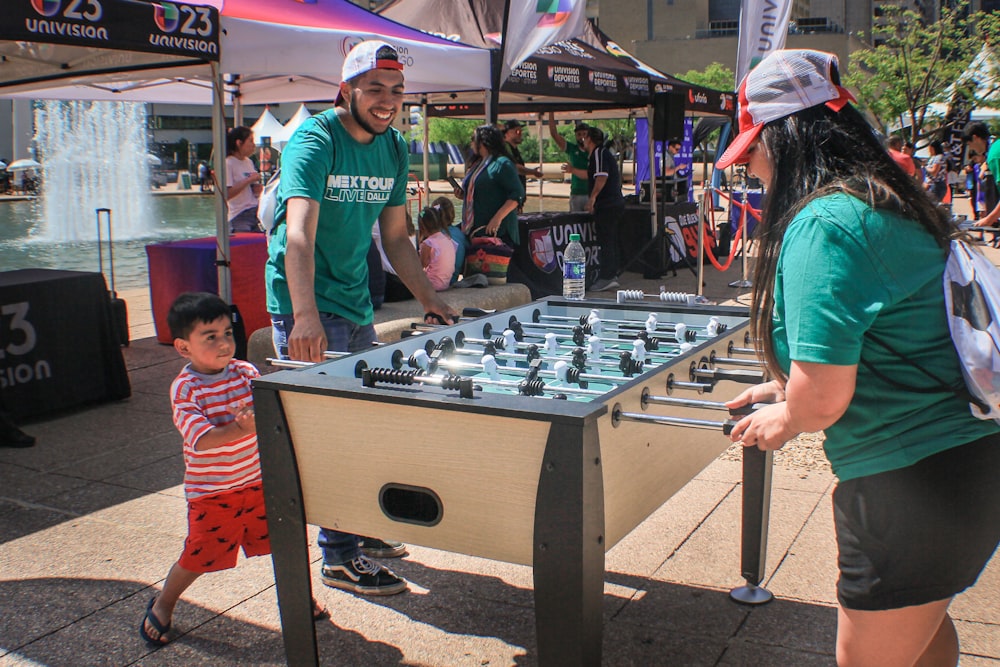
{"x":569,"y":548}
{"x":757,"y":467}
{"x":286,"y":523}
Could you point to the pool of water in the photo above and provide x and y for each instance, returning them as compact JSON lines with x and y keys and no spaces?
{"x":175,"y":216}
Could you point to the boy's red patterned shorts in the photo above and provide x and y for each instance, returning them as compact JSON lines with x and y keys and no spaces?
{"x":218,"y":525}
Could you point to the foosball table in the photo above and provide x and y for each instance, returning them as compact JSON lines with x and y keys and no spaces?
{"x":540,"y":435}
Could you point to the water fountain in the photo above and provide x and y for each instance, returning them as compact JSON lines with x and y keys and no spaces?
{"x":94,"y":156}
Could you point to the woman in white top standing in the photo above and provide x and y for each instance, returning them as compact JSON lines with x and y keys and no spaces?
{"x":243,"y":186}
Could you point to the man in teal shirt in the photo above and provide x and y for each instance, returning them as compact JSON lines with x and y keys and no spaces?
{"x":342,"y":170}
{"x":577,"y":160}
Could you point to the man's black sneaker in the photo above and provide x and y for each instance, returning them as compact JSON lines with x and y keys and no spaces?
{"x":364,"y":577}
{"x":376,"y":548}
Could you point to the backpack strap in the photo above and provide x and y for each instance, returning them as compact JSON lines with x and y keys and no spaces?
{"x":962,"y":392}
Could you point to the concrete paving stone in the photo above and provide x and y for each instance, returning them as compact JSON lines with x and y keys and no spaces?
{"x":147,"y":352}
{"x":722,"y":470}
{"x":981,"y":603}
{"x":433,"y":630}
{"x":58,"y":605}
{"x":166,"y":514}
{"x":783,"y":477}
{"x":652,"y":542}
{"x":979,"y":639}
{"x":808,"y":570}
{"x":128,"y":456}
{"x":628,"y":645}
{"x":786,"y":624}
{"x":70,"y":438}
{"x":85,"y":549}
{"x":23,"y":521}
{"x":28,"y":485}
{"x":165,"y":476}
{"x":92,"y":497}
{"x":688,"y":610}
{"x":110,"y":636}
{"x":701,"y":562}
{"x":978,"y":661}
{"x":751,"y":654}
{"x":428,"y":567}
{"x":456,"y":576}
{"x":433,"y":627}
{"x":801,"y":479}
{"x":157,"y":403}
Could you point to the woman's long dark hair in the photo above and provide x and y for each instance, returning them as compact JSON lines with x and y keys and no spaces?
{"x":238,"y":133}
{"x":491,"y":137}
{"x":815,"y":153}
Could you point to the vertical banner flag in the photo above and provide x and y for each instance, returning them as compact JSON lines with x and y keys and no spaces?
{"x":763,"y":27}
{"x":532,"y":24}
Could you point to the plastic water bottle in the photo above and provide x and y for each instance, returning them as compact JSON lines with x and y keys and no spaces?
{"x":574,"y":269}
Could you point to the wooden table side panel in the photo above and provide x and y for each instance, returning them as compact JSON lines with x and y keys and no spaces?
{"x":484,"y":469}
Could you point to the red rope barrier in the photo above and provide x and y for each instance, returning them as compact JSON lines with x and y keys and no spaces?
{"x":735,"y":242}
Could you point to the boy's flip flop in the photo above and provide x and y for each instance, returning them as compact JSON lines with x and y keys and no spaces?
{"x":156,"y":624}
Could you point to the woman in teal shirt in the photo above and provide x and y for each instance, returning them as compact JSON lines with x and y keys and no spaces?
{"x":850,"y":264}
{"x":491,"y":191}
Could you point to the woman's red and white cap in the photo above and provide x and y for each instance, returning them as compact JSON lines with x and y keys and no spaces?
{"x":783,"y":83}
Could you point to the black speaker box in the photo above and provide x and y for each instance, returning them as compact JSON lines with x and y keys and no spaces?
{"x":668,"y":116}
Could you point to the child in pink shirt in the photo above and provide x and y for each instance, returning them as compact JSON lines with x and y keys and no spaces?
{"x":437,"y":248}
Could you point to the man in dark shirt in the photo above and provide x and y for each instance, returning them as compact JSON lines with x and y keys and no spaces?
{"x":607,"y":206}
{"x":513,"y":135}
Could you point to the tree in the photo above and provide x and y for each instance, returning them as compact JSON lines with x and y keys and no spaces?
{"x":456,"y":131}
{"x":716,"y":76}
{"x":914,"y":64}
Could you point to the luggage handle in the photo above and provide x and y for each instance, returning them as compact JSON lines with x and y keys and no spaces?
{"x":111,"y":248}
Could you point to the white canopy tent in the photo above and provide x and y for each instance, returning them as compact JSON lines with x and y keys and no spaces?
{"x":266,"y":126}
{"x":282,"y":137}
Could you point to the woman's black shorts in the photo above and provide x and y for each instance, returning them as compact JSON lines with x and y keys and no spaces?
{"x":919,"y":534}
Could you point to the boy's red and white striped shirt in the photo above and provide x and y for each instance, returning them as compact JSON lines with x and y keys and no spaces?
{"x":201,"y":403}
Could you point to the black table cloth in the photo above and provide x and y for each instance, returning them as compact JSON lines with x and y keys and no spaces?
{"x":57,"y":346}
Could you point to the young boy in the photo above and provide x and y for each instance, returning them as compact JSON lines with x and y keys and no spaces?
{"x":213,"y":409}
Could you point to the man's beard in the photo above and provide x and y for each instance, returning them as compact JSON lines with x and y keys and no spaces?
{"x":365,"y":125}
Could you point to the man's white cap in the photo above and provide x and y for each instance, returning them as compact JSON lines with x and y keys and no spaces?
{"x":369,"y":55}
{"x":783,"y":83}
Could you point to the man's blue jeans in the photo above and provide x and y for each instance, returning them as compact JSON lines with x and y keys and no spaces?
{"x":341,"y":336}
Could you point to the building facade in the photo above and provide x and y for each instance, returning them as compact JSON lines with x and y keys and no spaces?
{"x":676,"y":36}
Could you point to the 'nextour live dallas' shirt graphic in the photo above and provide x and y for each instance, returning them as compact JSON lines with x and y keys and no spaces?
{"x":361,"y":189}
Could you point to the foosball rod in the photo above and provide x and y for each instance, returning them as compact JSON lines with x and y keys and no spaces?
{"x":642,"y":346}
{"x":561,"y":371}
{"x":714,"y":359}
{"x":733,"y":375}
{"x":651,"y":324}
{"x":595,"y":324}
{"x":579,"y":341}
{"x":618,"y":415}
{"x":531,"y":350}
{"x":291,"y":363}
{"x":629,"y":295}
{"x":580,"y":332}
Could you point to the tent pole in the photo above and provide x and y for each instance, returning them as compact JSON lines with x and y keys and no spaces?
{"x":219,"y":164}
{"x":654,"y":200}
{"x":541,"y":166}
{"x":427,"y":144}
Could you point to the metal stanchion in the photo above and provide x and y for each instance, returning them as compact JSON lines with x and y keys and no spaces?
{"x":701,"y":244}
{"x":744,"y":282}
